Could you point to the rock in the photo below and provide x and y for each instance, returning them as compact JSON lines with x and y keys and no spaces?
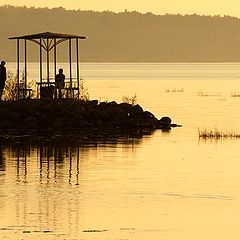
{"x":92,"y":103}
{"x":148,"y":115}
{"x":121,"y":115}
{"x":175,"y":125}
{"x":165,"y":120}
{"x":30,"y":123}
{"x":92,"y":115}
{"x":102,"y":105}
{"x":7,"y":124}
{"x":136,"y":110}
{"x":9,"y":115}
{"x":59,"y":123}
{"x":125,"y":106}
{"x":164,"y":123}
{"x":112,"y":104}
{"x":111,"y":109}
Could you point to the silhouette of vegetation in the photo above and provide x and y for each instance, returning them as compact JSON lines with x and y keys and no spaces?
{"x":11,"y":87}
{"x":130,"y":100}
{"x":217,"y":134}
{"x":127,"y":36}
{"x":174,"y":90}
{"x":235,"y":94}
{"x":207,"y":94}
{"x":10,"y":92}
{"x":84,"y":94}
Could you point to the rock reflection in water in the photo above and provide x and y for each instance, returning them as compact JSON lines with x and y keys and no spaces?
{"x":2,"y":160}
{"x":48,"y":185}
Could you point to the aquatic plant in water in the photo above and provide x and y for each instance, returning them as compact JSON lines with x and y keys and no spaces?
{"x":217,"y":134}
{"x":174,"y":90}
{"x":207,"y":94}
{"x":235,"y":94}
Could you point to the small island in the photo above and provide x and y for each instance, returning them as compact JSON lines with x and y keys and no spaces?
{"x":59,"y":107}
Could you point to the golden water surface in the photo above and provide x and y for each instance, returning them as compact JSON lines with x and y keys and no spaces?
{"x":166,"y":185}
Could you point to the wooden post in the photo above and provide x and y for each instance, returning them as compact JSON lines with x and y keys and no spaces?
{"x":78,"y":73}
{"x":18,"y":69}
{"x":25,"y":83}
{"x":40,"y":61}
{"x":55,"y":58}
{"x":70,"y":65}
{"x":48,"y":77}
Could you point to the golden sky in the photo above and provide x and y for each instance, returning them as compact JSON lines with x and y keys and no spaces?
{"x":206,"y":7}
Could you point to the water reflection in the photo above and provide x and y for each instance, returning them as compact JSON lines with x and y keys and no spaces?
{"x":2,"y":160}
{"x":47,"y":187}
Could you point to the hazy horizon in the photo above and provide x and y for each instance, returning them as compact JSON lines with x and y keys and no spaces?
{"x":120,"y":37}
{"x":231,"y":7}
{"x":125,"y":10}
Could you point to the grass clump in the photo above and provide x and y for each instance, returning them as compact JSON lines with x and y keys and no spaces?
{"x":207,"y":94}
{"x":235,"y":94}
{"x":217,"y":134}
{"x":174,"y":90}
{"x":131,"y":100}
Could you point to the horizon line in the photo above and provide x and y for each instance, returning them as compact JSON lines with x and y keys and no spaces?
{"x":121,"y":12}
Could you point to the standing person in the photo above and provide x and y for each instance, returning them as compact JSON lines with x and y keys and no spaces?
{"x":3,"y":77}
{"x":59,"y":80}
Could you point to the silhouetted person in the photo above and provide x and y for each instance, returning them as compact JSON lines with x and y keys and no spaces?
{"x":59,"y":80}
{"x":3,"y":77}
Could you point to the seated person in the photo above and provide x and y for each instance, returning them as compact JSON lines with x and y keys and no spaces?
{"x":59,"y":80}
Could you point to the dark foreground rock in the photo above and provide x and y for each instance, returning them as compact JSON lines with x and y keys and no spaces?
{"x":44,"y":116}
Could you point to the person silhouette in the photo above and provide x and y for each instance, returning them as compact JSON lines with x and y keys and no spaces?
{"x":59,"y":80}
{"x":3,"y":77}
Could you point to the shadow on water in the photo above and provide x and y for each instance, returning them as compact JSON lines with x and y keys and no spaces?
{"x":2,"y":160}
{"x":43,"y":175}
{"x":54,"y":152}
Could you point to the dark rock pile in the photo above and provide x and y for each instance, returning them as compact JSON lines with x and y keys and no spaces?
{"x":73,"y":114}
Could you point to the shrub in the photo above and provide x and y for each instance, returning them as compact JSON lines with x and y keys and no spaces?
{"x":131,"y":100}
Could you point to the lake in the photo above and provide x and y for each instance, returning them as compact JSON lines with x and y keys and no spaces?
{"x":164,"y":185}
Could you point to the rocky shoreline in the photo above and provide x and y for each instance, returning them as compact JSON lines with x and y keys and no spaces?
{"x":42,"y":116}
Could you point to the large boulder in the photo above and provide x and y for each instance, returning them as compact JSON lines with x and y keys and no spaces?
{"x":148,"y":115}
{"x":9,"y":115}
{"x":126,"y":106}
{"x":136,"y":110}
{"x":164,"y":123}
{"x":165,"y":120}
{"x":30,"y":123}
{"x":92,"y":115}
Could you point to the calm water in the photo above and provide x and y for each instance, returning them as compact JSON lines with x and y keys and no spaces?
{"x":167,"y":185}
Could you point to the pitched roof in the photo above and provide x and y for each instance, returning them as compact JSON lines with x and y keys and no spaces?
{"x":48,"y":35}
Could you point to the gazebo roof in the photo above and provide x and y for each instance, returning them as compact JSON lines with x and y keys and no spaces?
{"x":48,"y":35}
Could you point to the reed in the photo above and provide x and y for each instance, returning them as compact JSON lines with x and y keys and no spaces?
{"x":235,"y":94}
{"x":207,"y":94}
{"x":174,"y":90}
{"x":217,"y":134}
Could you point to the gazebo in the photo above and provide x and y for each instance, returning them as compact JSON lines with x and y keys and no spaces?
{"x":48,"y":41}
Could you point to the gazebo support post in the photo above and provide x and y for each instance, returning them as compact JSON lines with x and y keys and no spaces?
{"x":18,"y":69}
{"x":70,"y":66}
{"x":48,"y":77}
{"x":40,"y":67}
{"x":25,"y":73}
{"x":55,"y":58}
{"x":78,"y":74}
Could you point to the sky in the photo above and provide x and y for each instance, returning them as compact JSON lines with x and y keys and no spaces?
{"x":202,"y":7}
